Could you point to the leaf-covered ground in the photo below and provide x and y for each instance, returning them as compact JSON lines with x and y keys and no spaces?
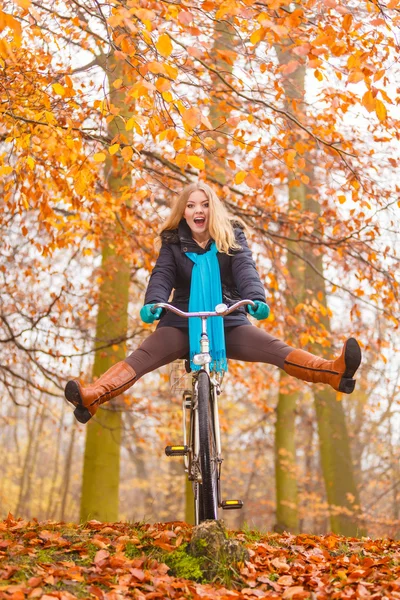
{"x":111,"y":561}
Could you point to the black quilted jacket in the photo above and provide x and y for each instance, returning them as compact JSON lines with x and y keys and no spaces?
{"x":173,"y":271}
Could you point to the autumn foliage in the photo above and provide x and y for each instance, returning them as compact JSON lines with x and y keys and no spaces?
{"x":106,"y":112}
{"x":111,"y":560}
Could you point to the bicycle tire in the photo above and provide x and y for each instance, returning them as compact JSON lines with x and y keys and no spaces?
{"x":208,"y":489}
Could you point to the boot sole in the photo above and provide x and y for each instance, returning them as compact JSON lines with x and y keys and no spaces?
{"x":352,"y":359}
{"x":73,"y":395}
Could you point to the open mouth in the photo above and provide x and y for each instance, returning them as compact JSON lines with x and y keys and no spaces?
{"x":199,"y":221}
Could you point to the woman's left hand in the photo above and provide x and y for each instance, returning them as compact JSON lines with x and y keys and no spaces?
{"x":260,"y":312}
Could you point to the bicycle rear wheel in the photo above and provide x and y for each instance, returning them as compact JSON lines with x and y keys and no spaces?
{"x":208,"y":488}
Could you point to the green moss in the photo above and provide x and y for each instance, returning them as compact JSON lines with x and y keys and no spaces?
{"x":273,"y":576}
{"x":183,"y":565}
{"x":132,"y":551}
{"x":45,"y":555}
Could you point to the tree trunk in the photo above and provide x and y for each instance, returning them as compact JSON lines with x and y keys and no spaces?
{"x":100,"y":487}
{"x":287,"y":510}
{"x":336,"y":460}
{"x":50,"y":513}
{"x":224,"y":41}
{"x":67,"y":474}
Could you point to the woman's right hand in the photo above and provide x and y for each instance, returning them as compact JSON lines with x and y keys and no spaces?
{"x":147,"y":315}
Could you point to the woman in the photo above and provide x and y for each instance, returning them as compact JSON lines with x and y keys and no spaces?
{"x":205,"y":258}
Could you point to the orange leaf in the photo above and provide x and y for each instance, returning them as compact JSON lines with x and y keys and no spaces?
{"x":380,"y":109}
{"x":191,"y":117}
{"x":252,"y":181}
{"x":369,"y":101}
{"x":355,"y":76}
{"x":318,"y":75}
{"x":289,"y":157}
{"x":163,"y":84}
{"x":127,"y":153}
{"x":347,"y":21}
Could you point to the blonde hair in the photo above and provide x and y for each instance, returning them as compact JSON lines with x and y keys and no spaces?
{"x":220,"y":221}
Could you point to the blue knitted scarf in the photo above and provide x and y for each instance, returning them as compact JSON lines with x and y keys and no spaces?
{"x":205,"y":294}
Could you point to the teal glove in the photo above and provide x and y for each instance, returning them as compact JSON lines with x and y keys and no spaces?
{"x":147,"y":315}
{"x":260,"y":312}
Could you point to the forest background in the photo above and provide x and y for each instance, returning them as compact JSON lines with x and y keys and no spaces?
{"x":291,"y":112}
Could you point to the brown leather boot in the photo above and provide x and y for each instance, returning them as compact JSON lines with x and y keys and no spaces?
{"x":87,"y":400}
{"x":338,"y":373}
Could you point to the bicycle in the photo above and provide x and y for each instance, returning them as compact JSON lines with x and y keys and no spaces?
{"x":201,"y":446}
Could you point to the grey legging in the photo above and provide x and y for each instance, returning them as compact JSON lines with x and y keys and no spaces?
{"x":245,"y":342}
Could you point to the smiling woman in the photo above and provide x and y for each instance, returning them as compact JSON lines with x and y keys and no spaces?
{"x":205,"y":259}
{"x":197,"y":216}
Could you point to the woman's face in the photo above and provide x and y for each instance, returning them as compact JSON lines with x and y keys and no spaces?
{"x":197,"y":213}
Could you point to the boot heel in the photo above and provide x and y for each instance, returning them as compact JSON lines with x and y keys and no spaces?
{"x":347,"y":385}
{"x":72,"y":393}
{"x":82,"y":414}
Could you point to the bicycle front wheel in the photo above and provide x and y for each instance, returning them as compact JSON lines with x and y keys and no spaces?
{"x":208,"y":488}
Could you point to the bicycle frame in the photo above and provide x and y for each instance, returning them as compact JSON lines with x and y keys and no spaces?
{"x":191,"y":438}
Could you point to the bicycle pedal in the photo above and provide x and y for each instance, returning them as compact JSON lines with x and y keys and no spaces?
{"x":176,"y":450}
{"x":231,"y":504}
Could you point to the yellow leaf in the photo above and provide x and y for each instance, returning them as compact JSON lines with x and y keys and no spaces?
{"x":164,"y":45}
{"x":113,"y":149}
{"x":127,"y":153}
{"x":172,"y":72}
{"x":167,"y":96}
{"x":6,"y":170}
{"x":58,"y":89}
{"x":50,"y":118}
{"x":196,"y":161}
{"x":99,"y":157}
{"x":257,"y":35}
{"x":130,"y":124}
{"x":240,"y":177}
{"x":30,"y":162}
{"x":117,"y":84}
{"x":380,"y":109}
{"x":342,"y":199}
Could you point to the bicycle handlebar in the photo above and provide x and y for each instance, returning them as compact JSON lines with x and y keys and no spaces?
{"x":221,"y":310}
